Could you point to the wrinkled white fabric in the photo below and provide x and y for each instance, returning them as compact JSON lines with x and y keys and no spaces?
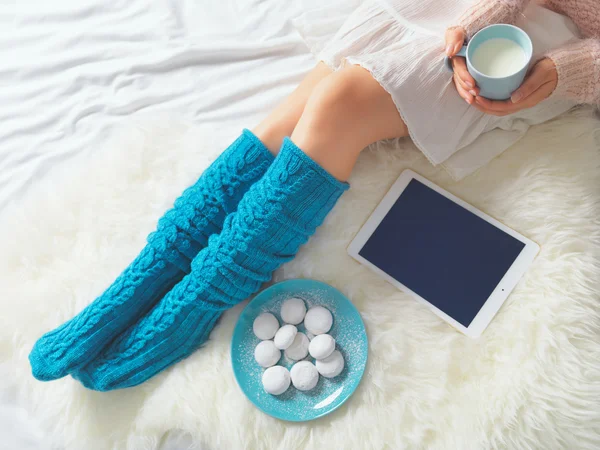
{"x":426,"y":16}
{"x":73,"y":70}
{"x":401,"y":43}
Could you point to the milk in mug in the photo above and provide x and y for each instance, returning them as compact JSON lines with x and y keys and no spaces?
{"x":498,"y":57}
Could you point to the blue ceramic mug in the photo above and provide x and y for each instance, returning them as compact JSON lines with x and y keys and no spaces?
{"x":497,"y":88}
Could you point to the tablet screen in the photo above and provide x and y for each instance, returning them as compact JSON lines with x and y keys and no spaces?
{"x":441,"y":251}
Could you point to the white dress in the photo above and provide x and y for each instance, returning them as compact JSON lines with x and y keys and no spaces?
{"x":400,"y":42}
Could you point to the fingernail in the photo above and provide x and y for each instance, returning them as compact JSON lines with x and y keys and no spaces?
{"x":448,"y":49}
{"x":516,"y":97}
{"x":469,"y":84}
{"x":473,"y":93}
{"x":469,"y":101}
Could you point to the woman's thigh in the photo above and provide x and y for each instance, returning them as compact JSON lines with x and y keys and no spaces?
{"x":283,"y":119}
{"x":346,"y":111}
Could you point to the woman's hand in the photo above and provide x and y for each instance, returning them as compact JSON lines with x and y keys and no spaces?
{"x":464,"y":82}
{"x":538,"y":86}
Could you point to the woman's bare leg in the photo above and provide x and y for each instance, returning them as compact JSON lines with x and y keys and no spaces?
{"x":346,"y":111}
{"x":332,"y":116}
{"x":283,"y":119}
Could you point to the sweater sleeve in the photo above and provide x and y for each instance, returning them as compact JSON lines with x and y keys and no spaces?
{"x":578,"y":68}
{"x":487,"y":12}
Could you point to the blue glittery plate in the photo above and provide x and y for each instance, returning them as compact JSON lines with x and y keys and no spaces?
{"x":351,"y":339}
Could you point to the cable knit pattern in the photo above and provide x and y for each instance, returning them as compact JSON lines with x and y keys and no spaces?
{"x":578,"y":64}
{"x":277,"y":215}
{"x":180,"y":235}
{"x":81,"y":338}
{"x":201,"y":210}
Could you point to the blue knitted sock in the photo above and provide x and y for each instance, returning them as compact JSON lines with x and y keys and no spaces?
{"x":276,"y":216}
{"x":181,"y":233}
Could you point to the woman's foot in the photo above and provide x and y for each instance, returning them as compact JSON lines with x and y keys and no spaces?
{"x":147,"y":279}
{"x":181,"y":233}
{"x":277,"y":215}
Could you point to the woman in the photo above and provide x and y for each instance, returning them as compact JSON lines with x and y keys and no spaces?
{"x":252,"y":209}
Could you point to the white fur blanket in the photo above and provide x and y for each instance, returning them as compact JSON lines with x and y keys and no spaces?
{"x":532,"y":381}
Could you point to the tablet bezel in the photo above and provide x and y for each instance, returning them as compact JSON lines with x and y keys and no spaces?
{"x":502,"y":290}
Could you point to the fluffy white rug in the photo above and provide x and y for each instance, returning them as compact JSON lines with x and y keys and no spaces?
{"x":532,"y":381}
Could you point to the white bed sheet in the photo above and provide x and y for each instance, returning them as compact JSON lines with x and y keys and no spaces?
{"x":71,"y":70}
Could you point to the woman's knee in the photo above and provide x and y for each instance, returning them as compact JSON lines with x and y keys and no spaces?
{"x":353,"y":104}
{"x":336,"y":100}
{"x":343,"y":115}
{"x":284,"y":118}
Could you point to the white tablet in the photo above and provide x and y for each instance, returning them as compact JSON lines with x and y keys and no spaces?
{"x":449,"y":255}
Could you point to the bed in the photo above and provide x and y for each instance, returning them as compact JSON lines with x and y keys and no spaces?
{"x":73,"y":72}
{"x":73,"y":69}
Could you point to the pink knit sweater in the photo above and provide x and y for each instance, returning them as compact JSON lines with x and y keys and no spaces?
{"x":577,"y":63}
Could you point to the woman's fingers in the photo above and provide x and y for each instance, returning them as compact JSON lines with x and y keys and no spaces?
{"x":464,"y":93}
{"x":455,"y":37}
{"x":539,"y":85}
{"x":473,"y":91}
{"x":465,"y":84}
{"x":542,"y":73}
{"x":460,"y":68}
{"x":495,"y":107}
